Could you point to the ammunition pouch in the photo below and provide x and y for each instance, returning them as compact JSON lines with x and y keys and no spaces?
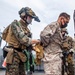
{"x":67,"y":43}
{"x":22,"y":56}
{"x":66,"y":46}
{"x":5,"y":50}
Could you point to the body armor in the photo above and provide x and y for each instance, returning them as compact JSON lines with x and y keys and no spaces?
{"x":67,"y":43}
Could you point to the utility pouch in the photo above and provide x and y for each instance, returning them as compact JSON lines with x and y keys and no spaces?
{"x":6,"y":49}
{"x":5,"y":33}
{"x":4,"y":52}
{"x":22,"y":56}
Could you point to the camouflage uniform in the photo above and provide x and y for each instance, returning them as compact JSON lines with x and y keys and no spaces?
{"x":70,"y":64}
{"x":17,"y":66}
{"x":69,"y":56}
{"x":67,"y":45}
{"x":18,"y":37}
{"x":19,"y":33}
{"x":51,"y":38}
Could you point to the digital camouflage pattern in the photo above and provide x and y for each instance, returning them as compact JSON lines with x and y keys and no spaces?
{"x":70,"y":64}
{"x":51,"y":39}
{"x":18,"y":38}
{"x":68,"y":44}
{"x":18,"y":35}
{"x":22,"y":33}
{"x":64,"y":30}
{"x":16,"y":68}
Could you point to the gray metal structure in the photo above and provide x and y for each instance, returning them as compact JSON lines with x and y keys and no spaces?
{"x":74,"y":40}
{"x":1,"y":58}
{"x":74,"y":62}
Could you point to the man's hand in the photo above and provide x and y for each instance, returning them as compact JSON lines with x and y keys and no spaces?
{"x":34,"y":41}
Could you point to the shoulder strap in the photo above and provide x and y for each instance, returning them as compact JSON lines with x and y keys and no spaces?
{"x":5,"y":32}
{"x":19,"y":25}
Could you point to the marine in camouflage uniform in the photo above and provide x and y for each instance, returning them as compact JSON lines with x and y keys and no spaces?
{"x":67,"y":45}
{"x":70,"y":63}
{"x":51,"y":39}
{"x":18,"y":38}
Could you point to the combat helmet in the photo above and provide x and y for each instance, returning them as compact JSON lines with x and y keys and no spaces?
{"x":28,"y":12}
{"x":64,"y":30}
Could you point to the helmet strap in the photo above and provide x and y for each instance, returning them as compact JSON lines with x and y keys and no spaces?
{"x":24,"y":18}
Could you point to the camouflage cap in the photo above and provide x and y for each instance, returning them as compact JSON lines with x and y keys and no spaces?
{"x":64,"y":30}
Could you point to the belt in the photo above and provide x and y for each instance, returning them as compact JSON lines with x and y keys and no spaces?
{"x":18,"y":49}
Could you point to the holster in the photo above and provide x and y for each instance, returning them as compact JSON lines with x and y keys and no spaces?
{"x":10,"y":57}
{"x":22,"y":56}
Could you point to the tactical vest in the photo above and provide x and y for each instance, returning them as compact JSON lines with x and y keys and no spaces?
{"x":67,"y":43}
{"x":10,"y":38}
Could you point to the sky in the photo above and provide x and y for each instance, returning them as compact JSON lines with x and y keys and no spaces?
{"x":47,"y":10}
